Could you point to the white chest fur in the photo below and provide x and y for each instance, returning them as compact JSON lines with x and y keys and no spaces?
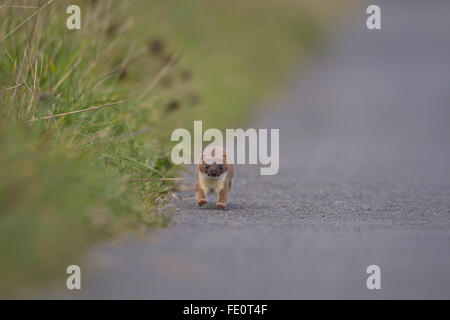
{"x":211,"y":184}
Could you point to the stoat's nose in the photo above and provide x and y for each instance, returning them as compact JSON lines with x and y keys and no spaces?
{"x":214,"y":173}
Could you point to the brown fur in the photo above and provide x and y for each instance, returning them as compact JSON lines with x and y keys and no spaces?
{"x":213,"y":177}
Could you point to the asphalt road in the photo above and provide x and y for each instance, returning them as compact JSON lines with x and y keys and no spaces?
{"x":364,"y":179}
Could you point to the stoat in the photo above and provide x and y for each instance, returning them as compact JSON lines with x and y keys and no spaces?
{"x":214,"y":176}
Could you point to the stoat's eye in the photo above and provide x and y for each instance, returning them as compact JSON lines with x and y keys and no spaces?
{"x":206,"y":166}
{"x":221,"y":167}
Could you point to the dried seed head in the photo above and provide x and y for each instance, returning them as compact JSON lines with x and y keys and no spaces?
{"x":157,"y":46}
{"x":173,"y":106}
{"x":112,"y":29}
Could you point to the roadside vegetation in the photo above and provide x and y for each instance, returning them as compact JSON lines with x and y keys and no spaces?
{"x":86,"y":115}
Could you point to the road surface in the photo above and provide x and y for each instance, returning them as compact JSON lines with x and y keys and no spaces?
{"x":364,"y":180}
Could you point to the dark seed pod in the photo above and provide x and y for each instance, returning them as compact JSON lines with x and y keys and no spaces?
{"x":112,"y":29}
{"x":157,"y":46}
{"x":173,"y":106}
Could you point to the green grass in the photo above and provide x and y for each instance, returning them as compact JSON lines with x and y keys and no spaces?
{"x":70,"y":181}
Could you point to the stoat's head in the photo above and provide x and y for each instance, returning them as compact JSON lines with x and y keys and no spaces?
{"x":213,"y":170}
{"x":212,"y":165}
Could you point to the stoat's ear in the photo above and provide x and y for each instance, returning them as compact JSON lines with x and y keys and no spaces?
{"x":224,"y":157}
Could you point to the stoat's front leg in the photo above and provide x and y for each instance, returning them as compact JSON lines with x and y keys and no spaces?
{"x":200,"y":195}
{"x":223,"y":198}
